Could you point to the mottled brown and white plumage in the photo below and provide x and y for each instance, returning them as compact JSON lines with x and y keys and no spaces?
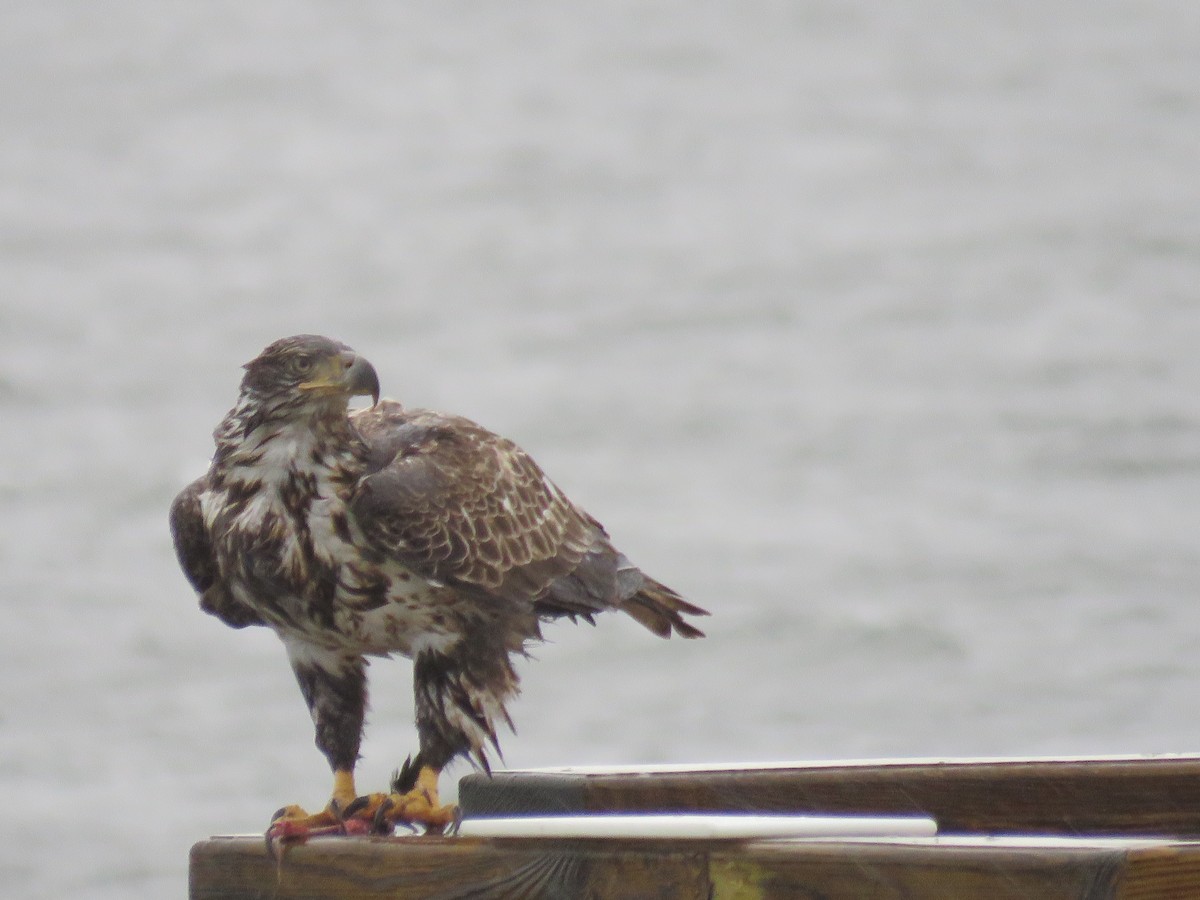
{"x":393,"y":531}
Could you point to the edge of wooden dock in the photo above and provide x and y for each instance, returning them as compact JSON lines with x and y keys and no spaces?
{"x":1126,"y":828}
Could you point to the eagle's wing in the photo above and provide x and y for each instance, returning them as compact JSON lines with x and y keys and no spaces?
{"x":193,"y":548}
{"x":456,"y":503}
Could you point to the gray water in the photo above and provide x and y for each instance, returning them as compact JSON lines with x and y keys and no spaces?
{"x":871,"y":328}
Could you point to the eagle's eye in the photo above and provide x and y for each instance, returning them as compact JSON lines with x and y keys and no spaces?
{"x":302,"y":365}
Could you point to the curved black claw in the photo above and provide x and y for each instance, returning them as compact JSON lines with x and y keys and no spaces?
{"x":358,"y":803}
{"x":379,"y":822}
{"x":452,"y":828}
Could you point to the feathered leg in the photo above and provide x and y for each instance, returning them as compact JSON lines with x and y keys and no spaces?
{"x":459,"y":696}
{"x":460,"y":699}
{"x":335,"y":688}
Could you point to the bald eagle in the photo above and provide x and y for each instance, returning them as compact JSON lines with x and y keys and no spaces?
{"x":391,"y":531}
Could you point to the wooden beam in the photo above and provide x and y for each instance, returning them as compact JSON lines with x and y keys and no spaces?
{"x":239,"y":868}
{"x":1001,"y":869}
{"x":1005,"y":831}
{"x":1107,"y":796}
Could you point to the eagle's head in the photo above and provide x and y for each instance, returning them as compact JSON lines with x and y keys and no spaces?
{"x":307,"y":376}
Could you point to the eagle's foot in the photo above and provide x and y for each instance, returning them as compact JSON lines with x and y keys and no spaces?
{"x":294,"y":825}
{"x":413,"y":801}
{"x":414,"y":808}
{"x":381,"y":813}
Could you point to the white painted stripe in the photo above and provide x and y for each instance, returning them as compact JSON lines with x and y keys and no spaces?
{"x":701,"y":826}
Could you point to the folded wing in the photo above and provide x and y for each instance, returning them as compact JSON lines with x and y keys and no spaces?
{"x":456,"y":503}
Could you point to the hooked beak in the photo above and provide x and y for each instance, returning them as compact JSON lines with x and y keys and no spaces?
{"x":348,"y":374}
{"x":360,"y":378}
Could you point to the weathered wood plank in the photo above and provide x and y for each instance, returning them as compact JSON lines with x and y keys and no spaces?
{"x":532,"y":868}
{"x":1161,"y":873}
{"x":868,"y":871}
{"x":1127,"y":796}
{"x":426,"y":867}
{"x":1152,"y":797}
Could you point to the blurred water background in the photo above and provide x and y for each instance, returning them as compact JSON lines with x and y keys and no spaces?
{"x":871,"y":328}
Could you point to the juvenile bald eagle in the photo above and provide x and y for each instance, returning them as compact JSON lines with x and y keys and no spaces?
{"x":391,"y":531}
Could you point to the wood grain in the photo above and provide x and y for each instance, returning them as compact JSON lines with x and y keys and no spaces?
{"x":1103,"y":829}
{"x":426,"y":867}
{"x":535,"y":868}
{"x":1137,"y":796}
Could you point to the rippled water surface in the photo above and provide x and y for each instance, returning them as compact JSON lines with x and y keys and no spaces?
{"x":871,"y":329}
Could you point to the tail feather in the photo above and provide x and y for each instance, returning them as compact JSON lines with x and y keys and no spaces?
{"x":661,"y":610}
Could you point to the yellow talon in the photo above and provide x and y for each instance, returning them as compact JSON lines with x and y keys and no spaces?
{"x":418,"y":806}
{"x":348,"y":813}
{"x":421,"y":804}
